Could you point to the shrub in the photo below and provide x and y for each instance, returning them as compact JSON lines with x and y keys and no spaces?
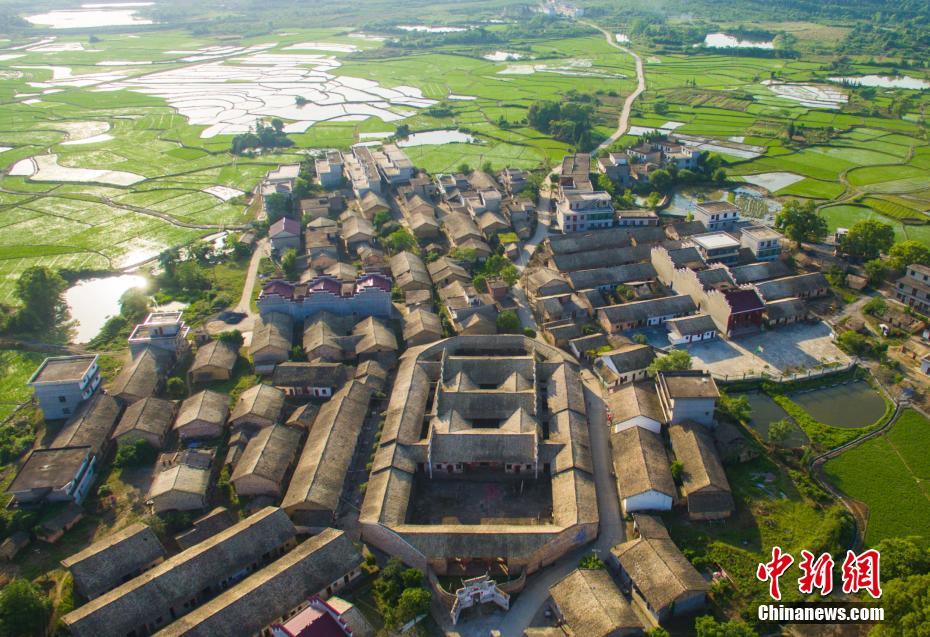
{"x":134,"y":454}
{"x":591,"y":562}
{"x":876,"y":306}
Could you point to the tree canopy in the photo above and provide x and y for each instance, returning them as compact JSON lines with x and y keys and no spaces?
{"x":800,"y":222}
{"x":868,"y":239}
{"x":508,"y":322}
{"x":907,"y":253}
{"x":677,"y":360}
{"x":24,"y":610}
{"x":41,"y":291}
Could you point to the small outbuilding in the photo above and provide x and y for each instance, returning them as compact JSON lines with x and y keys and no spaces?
{"x":149,"y":419}
{"x":214,"y":361}
{"x":258,"y":407}
{"x":203,"y":415}
{"x":266,"y":461}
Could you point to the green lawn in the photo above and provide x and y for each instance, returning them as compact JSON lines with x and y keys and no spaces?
{"x":890,"y":474}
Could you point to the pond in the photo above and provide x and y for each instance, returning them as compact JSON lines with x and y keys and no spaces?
{"x":107,"y":15}
{"x":684,"y":201}
{"x":727,"y":41}
{"x":884,"y":81}
{"x":436,"y":137}
{"x":93,"y":301}
{"x":765,"y":411}
{"x":848,"y":406}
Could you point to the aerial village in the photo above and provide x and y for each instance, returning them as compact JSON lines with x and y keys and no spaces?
{"x":477,"y":402}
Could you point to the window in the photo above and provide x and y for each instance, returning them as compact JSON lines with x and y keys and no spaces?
{"x":62,"y":399}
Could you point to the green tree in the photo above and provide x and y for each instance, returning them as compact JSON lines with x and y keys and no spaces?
{"x":41,"y":291}
{"x":606,"y":184}
{"x":780,"y":430}
{"x":876,"y":270}
{"x":465,"y":169}
{"x":707,"y":626}
{"x":176,"y":387}
{"x":800,"y":222}
{"x":591,"y":562}
{"x":735,"y":408}
{"x":381,"y":217}
{"x":508,"y":322}
{"x":903,"y":557}
{"x":400,"y":240}
{"x":907,"y":607}
{"x":289,"y":263}
{"x":676,"y":360}
{"x":661,"y":179}
{"x":412,"y":603}
{"x":135,"y":454}
{"x":907,"y":253}
{"x":876,"y":306}
{"x":658,"y":631}
{"x":868,"y":239}
{"x":134,"y":304}
{"x":200,"y":251}
{"x":487,"y":167}
{"x":278,"y":205}
{"x":233,"y":337}
{"x":402,"y":131}
{"x":24,"y":610}
{"x":190,"y":277}
{"x":676,"y":468}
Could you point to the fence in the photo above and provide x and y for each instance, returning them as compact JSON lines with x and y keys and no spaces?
{"x":786,"y":378}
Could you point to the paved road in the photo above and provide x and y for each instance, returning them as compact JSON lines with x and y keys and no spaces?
{"x":529,"y":602}
{"x":546,"y":196}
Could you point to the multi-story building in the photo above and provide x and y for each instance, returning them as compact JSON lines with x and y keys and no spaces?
{"x":617,"y":167}
{"x":717,"y":247}
{"x":393,"y":164}
{"x":161,"y":330}
{"x":369,"y":295}
{"x":717,"y":215}
{"x":576,"y":173}
{"x":764,"y":242}
{"x":329,"y":169}
{"x":580,"y":211}
{"x":362,"y":171}
{"x":689,"y":395}
{"x":62,"y":383}
{"x":914,"y":288}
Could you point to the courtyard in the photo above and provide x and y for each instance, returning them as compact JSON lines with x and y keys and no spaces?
{"x":785,"y":350}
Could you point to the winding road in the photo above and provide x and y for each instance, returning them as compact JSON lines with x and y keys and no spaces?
{"x":544,"y":212}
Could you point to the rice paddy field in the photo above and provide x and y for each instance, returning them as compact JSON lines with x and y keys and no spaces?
{"x":854,"y":165}
{"x":886,"y":471}
{"x":115,"y":147}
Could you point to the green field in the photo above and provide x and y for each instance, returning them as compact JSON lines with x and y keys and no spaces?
{"x":17,"y":367}
{"x":849,"y":153}
{"x":885,"y":473}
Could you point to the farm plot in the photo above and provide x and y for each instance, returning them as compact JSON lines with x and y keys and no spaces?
{"x":845,"y":215}
{"x":886,"y":471}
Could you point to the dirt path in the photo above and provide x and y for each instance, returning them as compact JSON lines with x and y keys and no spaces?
{"x":623,"y":123}
{"x":245,"y":300}
{"x":546,"y":196}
